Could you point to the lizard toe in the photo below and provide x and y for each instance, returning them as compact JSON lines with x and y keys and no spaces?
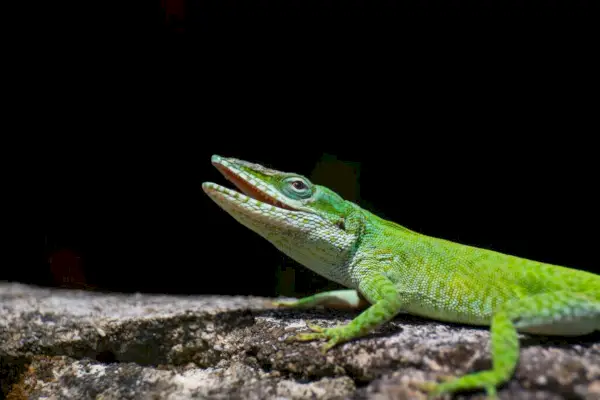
{"x":315,"y":328}
{"x":431,"y":388}
{"x":304,"y":337}
{"x":331,"y":343}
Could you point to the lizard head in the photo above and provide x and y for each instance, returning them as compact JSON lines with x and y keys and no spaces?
{"x":302,"y":219}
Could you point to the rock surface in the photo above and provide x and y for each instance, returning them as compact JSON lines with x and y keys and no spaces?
{"x":62,"y":344}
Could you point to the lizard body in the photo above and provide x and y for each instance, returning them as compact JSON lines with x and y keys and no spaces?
{"x":393,"y":269}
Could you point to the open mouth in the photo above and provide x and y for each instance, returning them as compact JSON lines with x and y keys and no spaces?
{"x":247,"y":188}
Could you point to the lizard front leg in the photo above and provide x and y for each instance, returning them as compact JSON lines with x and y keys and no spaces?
{"x":337,"y":299}
{"x":386,"y":304}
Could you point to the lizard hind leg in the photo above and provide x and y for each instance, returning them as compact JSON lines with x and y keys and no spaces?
{"x":538,"y":313}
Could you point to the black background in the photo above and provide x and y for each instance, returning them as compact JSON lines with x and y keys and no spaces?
{"x":140,"y":221}
{"x":472,"y":121}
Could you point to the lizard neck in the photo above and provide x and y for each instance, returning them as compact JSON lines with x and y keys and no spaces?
{"x":324,"y":250}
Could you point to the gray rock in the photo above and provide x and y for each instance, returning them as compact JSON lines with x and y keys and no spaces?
{"x":63,"y":344}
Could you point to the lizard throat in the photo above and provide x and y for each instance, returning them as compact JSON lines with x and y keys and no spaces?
{"x":248,"y":189}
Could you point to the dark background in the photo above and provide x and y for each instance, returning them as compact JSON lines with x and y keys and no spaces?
{"x":470,"y":121}
{"x":139,"y":221}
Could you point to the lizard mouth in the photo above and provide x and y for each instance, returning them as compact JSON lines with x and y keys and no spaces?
{"x":247,"y":188}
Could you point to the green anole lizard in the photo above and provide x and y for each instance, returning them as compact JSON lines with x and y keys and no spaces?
{"x":393,"y":269}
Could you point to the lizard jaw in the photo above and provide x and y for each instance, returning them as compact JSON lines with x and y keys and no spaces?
{"x":245,"y":186}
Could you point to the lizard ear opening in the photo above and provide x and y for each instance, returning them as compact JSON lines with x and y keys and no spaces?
{"x":340,"y":223}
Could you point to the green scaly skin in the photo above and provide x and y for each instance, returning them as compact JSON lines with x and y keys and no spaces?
{"x":391,"y":269}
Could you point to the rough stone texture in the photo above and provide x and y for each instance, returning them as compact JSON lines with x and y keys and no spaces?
{"x":61,"y":344}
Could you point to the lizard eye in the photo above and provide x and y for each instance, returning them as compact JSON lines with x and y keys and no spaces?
{"x":299,"y":185}
{"x":298,"y":188}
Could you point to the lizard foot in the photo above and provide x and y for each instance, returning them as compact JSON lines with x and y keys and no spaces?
{"x":332,"y":334}
{"x":434,"y":390}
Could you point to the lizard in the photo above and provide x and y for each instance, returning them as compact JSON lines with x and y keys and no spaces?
{"x":387,"y":269}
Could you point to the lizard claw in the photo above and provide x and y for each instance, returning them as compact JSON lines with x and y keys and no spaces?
{"x":318,"y":333}
{"x":434,"y":389}
{"x":315,"y":328}
{"x":429,"y":387}
{"x":304,"y":337}
{"x":330,"y":343}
